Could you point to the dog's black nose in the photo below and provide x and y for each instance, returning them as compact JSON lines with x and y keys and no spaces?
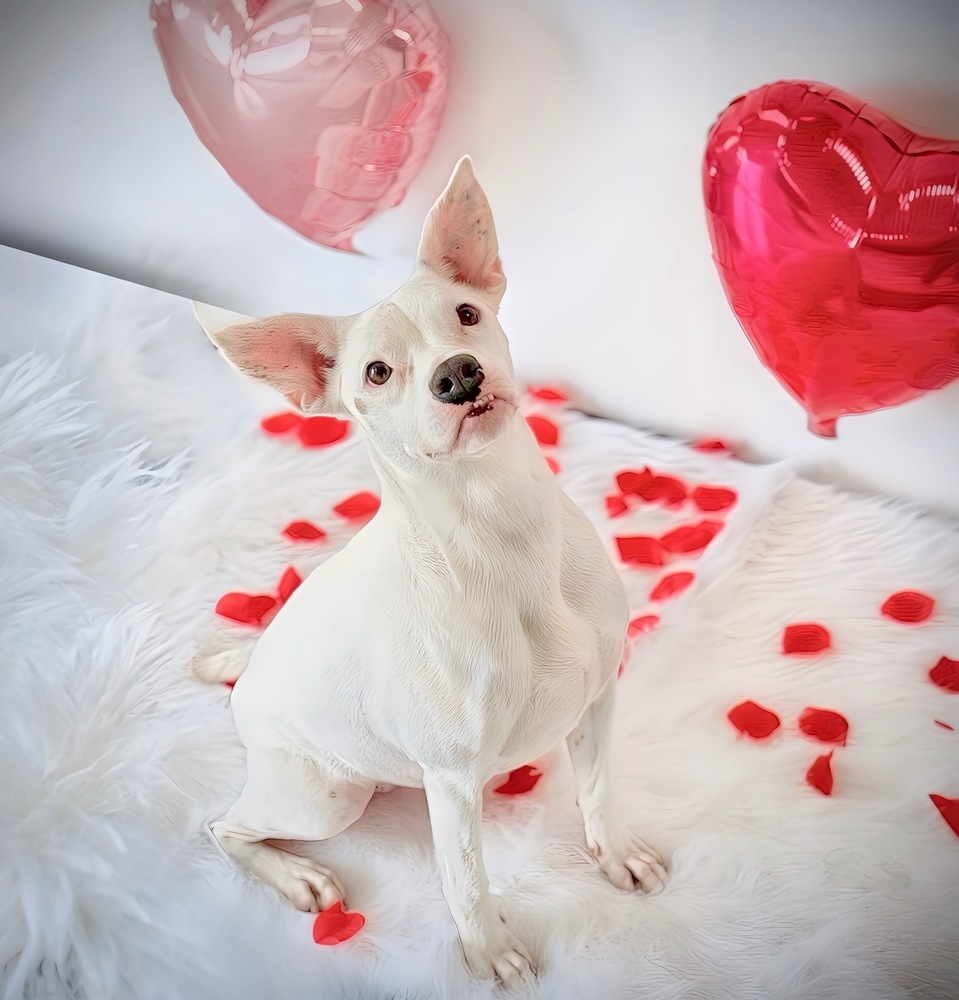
{"x":457,"y":380}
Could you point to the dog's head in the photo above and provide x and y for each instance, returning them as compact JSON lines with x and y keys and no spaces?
{"x":427,"y":372}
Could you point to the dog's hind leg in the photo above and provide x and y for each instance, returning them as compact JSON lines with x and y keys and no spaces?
{"x":288,"y":796}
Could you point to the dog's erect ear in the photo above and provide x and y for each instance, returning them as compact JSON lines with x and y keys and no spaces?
{"x":295,"y":353}
{"x":459,"y":239}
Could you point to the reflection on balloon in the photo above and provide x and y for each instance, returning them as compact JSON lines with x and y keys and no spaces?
{"x":323,"y":111}
{"x":836,"y":234}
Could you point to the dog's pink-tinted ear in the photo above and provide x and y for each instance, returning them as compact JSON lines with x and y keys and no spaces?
{"x":459,"y":238}
{"x":294,"y":353}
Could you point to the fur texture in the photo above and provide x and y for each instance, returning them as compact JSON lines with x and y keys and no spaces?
{"x":131,"y":501}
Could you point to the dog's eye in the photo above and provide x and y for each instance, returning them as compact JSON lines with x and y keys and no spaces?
{"x":467,"y":314}
{"x":378,"y":372}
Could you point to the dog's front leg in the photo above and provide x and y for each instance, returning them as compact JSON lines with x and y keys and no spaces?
{"x":627,"y":861}
{"x":491,"y":950}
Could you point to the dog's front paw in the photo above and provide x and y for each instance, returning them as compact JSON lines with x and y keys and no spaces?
{"x":500,"y":956}
{"x":630,"y":863}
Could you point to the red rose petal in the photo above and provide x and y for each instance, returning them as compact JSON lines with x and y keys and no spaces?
{"x":545,"y":431}
{"x":820,"y":774}
{"x":668,"y":489}
{"x":247,"y":609}
{"x":753,"y":719}
{"x":553,"y":465}
{"x":711,"y":444}
{"x":806,"y":637}
{"x":288,"y":583}
{"x":945,"y":725}
{"x":690,"y":537}
{"x":669,"y":586}
{"x":644,"y":623}
{"x":359,"y":507}
{"x":549,"y":395}
{"x":616,"y":505}
{"x":640,"y":549}
{"x":333,"y":925}
{"x":303,"y":531}
{"x":709,"y":498}
{"x":908,"y":606}
{"x":824,"y":725}
{"x":519,"y":781}
{"x":315,"y":432}
{"x":280,"y":423}
{"x":634,"y":482}
{"x":949,"y":809}
{"x":946,"y":674}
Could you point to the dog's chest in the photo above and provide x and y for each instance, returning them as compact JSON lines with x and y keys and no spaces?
{"x":505,"y":667}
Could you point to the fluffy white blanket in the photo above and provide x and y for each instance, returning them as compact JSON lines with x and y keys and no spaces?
{"x":136,"y":488}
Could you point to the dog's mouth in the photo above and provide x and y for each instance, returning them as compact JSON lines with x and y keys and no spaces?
{"x":480,"y":406}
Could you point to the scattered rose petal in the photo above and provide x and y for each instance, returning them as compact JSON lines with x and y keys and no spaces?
{"x":945,"y":725}
{"x":616,"y":505}
{"x":519,"y":781}
{"x":908,"y":606}
{"x":824,"y":725}
{"x":640,"y":549}
{"x":949,"y":809}
{"x":247,"y":609}
{"x":644,"y":623}
{"x":710,"y":498}
{"x":806,"y":637}
{"x":315,"y":432}
{"x":634,"y":482}
{"x":288,"y":583}
{"x":946,"y":674}
{"x":820,"y":774}
{"x":359,"y":507}
{"x":670,"y":490}
{"x":549,"y":395}
{"x":669,"y":586}
{"x":333,"y":925}
{"x":280,"y":423}
{"x":545,"y":431}
{"x":753,"y":719}
{"x":553,"y":465}
{"x":710,"y":444}
{"x":690,"y":537}
{"x":303,"y":531}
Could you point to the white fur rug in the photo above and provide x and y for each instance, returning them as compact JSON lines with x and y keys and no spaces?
{"x":136,"y":488}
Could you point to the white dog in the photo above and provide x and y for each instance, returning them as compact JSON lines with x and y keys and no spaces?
{"x":473,"y":623}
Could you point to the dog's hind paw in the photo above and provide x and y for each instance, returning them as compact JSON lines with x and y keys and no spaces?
{"x":309,"y":886}
{"x":220,"y":667}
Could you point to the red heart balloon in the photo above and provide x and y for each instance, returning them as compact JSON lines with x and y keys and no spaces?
{"x":322,"y":112}
{"x":836,"y":234}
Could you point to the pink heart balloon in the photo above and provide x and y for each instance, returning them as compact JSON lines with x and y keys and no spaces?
{"x":323,"y":111}
{"x":836,"y":234}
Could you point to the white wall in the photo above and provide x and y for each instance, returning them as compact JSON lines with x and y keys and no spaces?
{"x":586,"y":120}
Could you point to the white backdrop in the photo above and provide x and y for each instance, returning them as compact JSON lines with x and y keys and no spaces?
{"x":586,"y":122}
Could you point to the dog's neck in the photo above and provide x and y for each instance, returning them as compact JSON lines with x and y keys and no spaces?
{"x":463,"y":512}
